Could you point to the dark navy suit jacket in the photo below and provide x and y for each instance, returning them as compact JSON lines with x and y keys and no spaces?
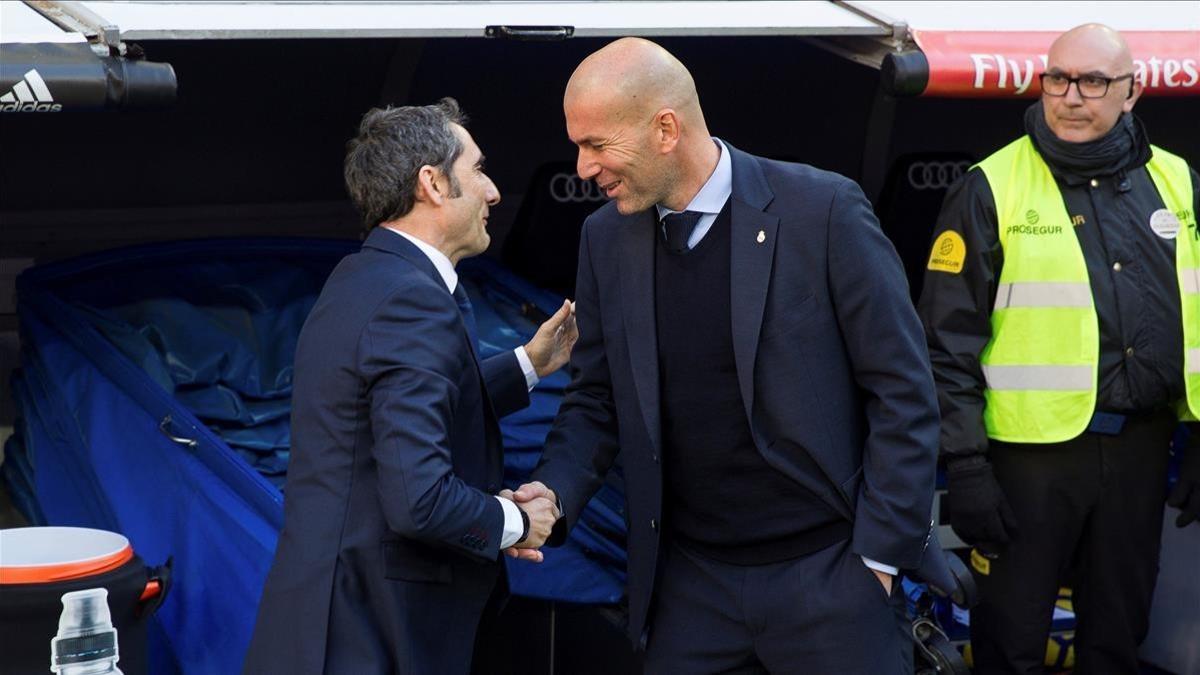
{"x":830,"y":357}
{"x":390,"y":544}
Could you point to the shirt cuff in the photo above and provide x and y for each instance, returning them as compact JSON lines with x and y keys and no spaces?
{"x":880,"y":567}
{"x":531,"y":376}
{"x":514,"y":525}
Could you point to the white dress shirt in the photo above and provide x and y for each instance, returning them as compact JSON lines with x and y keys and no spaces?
{"x":514,"y":526}
{"x":709,"y":201}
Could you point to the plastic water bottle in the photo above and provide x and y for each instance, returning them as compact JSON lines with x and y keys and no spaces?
{"x":86,"y":643}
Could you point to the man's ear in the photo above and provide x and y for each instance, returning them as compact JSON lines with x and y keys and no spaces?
{"x":666,"y":128}
{"x":1135,"y":92}
{"x":428,"y":189}
{"x":1135,"y":89}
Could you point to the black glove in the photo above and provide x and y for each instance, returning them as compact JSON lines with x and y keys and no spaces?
{"x":979,"y":513}
{"x":1186,"y":495}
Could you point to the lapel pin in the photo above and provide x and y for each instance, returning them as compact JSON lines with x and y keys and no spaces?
{"x":762,"y":236}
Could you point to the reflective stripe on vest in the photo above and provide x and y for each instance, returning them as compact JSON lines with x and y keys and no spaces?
{"x":1189,"y":281}
{"x":1041,"y":364}
{"x":1043,"y":294}
{"x":1046,"y":378}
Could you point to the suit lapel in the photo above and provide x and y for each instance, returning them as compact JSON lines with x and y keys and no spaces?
{"x":752,"y":255}
{"x":637,"y":302}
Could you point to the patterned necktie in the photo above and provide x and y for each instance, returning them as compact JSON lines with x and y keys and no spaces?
{"x":468,"y":315}
{"x":677,"y":229}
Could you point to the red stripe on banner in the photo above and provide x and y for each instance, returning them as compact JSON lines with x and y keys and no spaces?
{"x":966,"y":64}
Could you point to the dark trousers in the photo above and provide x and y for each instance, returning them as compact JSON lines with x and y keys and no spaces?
{"x":1091,"y":507}
{"x":825,"y":612}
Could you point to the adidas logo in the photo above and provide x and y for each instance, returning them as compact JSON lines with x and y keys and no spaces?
{"x":29,"y":95}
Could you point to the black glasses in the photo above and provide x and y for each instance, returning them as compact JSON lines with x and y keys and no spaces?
{"x":1089,"y":86}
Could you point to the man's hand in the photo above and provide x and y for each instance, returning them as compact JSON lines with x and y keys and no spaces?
{"x":542,"y":515}
{"x":885,"y":579}
{"x":529,"y":554}
{"x":550,"y":348}
{"x":529,"y":493}
{"x":979,"y":513}
{"x":1186,"y":494}
{"x":534,"y":490}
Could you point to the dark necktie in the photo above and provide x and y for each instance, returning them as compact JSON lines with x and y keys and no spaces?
{"x":677,"y":229}
{"x":468,"y":315}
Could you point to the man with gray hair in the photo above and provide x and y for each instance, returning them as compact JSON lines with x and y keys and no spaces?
{"x":1062,"y":309}
{"x":394,"y":520}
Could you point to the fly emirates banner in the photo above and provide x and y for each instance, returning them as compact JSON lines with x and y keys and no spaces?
{"x":966,"y":64}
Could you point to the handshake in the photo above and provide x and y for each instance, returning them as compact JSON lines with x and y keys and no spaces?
{"x":540,"y":505}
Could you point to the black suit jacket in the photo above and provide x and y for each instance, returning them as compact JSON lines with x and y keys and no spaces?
{"x":830,"y":357}
{"x":390,"y":544}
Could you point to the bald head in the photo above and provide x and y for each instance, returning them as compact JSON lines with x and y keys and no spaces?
{"x":633,"y":77}
{"x":1095,"y":42}
{"x":633,"y":112}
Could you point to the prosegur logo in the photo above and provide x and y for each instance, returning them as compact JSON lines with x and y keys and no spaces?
{"x":29,"y":95}
{"x":1030,"y":226}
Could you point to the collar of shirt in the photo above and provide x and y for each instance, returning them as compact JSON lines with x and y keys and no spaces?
{"x":711,"y":198}
{"x":715,"y":192}
{"x":444,"y":267}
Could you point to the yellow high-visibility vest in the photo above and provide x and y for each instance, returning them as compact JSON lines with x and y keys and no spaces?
{"x":1042,"y":362}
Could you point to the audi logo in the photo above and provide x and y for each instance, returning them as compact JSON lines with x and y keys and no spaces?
{"x":935,"y":175}
{"x":567,"y":188}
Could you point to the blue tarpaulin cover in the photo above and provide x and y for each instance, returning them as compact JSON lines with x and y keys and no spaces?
{"x":154,"y":394}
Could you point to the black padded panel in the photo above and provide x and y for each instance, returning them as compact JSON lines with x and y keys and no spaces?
{"x":909,"y":205}
{"x":544,"y":241}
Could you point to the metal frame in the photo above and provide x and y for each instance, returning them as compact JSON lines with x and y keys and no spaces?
{"x":74,"y":17}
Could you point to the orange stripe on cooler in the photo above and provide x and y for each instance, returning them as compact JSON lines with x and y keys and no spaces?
{"x":43,"y":574}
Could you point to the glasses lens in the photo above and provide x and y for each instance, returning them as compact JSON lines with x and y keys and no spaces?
{"x":1093,"y":87}
{"x":1055,"y":85}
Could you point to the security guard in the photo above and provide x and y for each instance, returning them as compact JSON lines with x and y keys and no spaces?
{"x":1062,"y":309}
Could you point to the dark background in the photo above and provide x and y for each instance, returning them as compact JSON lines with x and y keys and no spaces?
{"x":255,"y":142}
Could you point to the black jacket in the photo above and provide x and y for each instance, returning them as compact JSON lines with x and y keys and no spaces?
{"x":829,"y":356}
